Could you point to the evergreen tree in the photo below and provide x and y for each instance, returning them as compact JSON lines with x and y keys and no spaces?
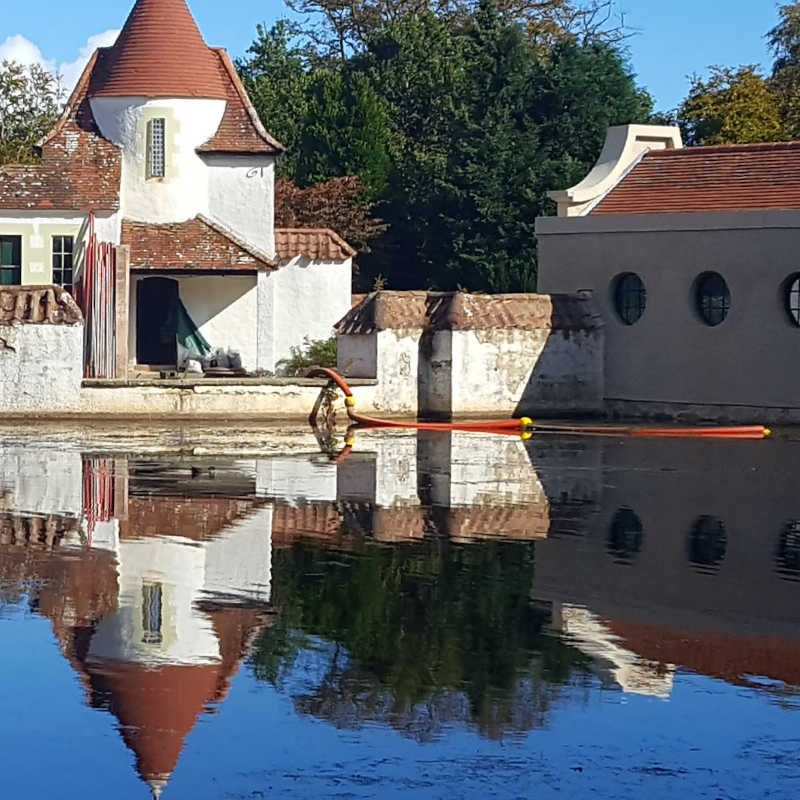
{"x":785,"y":42}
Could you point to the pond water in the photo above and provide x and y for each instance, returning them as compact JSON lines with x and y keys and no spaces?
{"x":191,"y":614}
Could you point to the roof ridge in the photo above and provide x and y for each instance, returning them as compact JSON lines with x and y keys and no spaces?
{"x":724,"y":148}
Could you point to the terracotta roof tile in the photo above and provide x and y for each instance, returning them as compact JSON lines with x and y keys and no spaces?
{"x":459,"y":311}
{"x":240,"y":131}
{"x":318,"y":244}
{"x":722,"y":178}
{"x":721,"y":655}
{"x":79,"y":169}
{"x":38,"y":304}
{"x":160,"y":52}
{"x":197,"y":244}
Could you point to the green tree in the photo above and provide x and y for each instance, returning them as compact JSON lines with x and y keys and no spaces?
{"x":345,"y":131}
{"x":276,"y":76}
{"x":30,"y":102}
{"x":784,"y":39}
{"x":416,"y":622}
{"x":731,"y":106}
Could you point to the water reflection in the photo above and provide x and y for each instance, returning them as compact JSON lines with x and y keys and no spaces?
{"x":427,"y":582}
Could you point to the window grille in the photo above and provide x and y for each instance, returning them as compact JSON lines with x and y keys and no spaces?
{"x":63,"y":248}
{"x":793,"y":299}
{"x":151,"y":613}
{"x":630,"y":297}
{"x":713,"y":298}
{"x":156,"y":159}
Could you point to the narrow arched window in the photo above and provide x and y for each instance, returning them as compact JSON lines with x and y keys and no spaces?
{"x":712,"y":298}
{"x":156,"y":149}
{"x":630,"y":297}
{"x":792,"y":299}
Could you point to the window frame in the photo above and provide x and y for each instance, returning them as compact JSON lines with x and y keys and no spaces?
{"x":791,"y":298}
{"x":14,"y":268}
{"x":58,"y":258}
{"x":156,"y":156}
{"x":706,"y":305}
{"x":622,"y":290}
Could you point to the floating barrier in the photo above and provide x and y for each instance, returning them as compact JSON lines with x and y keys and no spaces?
{"x":526,"y":427}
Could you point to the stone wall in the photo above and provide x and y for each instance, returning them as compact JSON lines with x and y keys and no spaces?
{"x":443,"y":355}
{"x":41,"y":349}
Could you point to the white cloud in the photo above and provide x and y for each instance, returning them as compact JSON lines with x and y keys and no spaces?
{"x":72,"y":70}
{"x":18,"y":48}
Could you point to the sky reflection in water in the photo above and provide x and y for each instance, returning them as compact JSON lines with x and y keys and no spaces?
{"x":435,"y":616}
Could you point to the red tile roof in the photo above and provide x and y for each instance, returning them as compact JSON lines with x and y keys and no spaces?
{"x":197,"y":244}
{"x":241,"y":130}
{"x":41,"y":304}
{"x":160,"y":52}
{"x":318,"y":244}
{"x":79,"y":170}
{"x":720,"y":178}
{"x":459,"y":311}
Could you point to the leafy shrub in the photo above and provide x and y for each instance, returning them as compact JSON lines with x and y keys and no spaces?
{"x":316,"y":353}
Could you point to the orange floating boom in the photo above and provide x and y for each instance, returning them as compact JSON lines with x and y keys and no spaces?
{"x":525,"y":425}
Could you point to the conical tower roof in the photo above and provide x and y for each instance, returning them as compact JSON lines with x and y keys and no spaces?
{"x":160,"y":52}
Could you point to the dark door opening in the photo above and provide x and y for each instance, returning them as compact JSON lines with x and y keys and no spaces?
{"x":157,"y":321}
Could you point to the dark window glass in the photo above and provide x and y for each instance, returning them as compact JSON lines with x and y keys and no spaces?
{"x":712,"y":297}
{"x":788,"y":554}
{"x":708,"y":543}
{"x":630,"y":297}
{"x":793,"y":299}
{"x":625,"y":536}
{"x":62,"y":261}
{"x":151,"y":613}
{"x":10,"y":260}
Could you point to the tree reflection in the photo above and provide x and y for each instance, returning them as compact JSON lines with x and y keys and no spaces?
{"x":421,"y":636}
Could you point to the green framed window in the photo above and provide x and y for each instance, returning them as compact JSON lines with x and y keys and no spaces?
{"x":63,"y":247}
{"x":10,"y":260}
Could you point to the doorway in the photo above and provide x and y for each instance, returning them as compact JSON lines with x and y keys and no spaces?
{"x":157,"y":321}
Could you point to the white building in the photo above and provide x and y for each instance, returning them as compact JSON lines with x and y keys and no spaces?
{"x":160,"y":143}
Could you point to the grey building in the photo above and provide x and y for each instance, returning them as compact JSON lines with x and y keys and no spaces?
{"x":693,"y":256}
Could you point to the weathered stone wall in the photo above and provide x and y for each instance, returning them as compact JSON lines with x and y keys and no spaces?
{"x":442,"y":355}
{"x":41,"y":366}
{"x":41,"y":349}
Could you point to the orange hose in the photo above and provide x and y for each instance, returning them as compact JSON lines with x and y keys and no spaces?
{"x":524,"y":425}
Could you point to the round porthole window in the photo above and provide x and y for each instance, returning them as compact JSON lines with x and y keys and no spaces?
{"x":712,"y":298}
{"x":708,"y":543}
{"x":625,"y":536}
{"x":792,"y":299}
{"x":630,"y":297}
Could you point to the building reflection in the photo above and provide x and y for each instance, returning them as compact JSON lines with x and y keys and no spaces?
{"x":512,"y":568}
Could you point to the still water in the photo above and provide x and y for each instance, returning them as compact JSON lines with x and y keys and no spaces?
{"x":193,"y":614}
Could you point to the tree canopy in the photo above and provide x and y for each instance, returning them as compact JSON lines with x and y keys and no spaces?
{"x":784,"y":39}
{"x":456,"y":118}
{"x":731,"y":106}
{"x":30,"y":102}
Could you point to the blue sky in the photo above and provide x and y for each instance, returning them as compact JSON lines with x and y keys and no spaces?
{"x":673,"y":39}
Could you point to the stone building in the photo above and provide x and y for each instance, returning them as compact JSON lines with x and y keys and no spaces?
{"x":692,"y":257}
{"x":161,"y":146}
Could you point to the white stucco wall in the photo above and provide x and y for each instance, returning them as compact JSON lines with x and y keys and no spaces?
{"x":309,"y":299}
{"x":526,"y":371}
{"x":41,"y":481}
{"x":241,"y":195}
{"x":224,"y":308}
{"x":296,"y":478}
{"x":41,"y":366}
{"x":239,"y":562}
{"x":177,"y":565}
{"x":184,"y":190}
